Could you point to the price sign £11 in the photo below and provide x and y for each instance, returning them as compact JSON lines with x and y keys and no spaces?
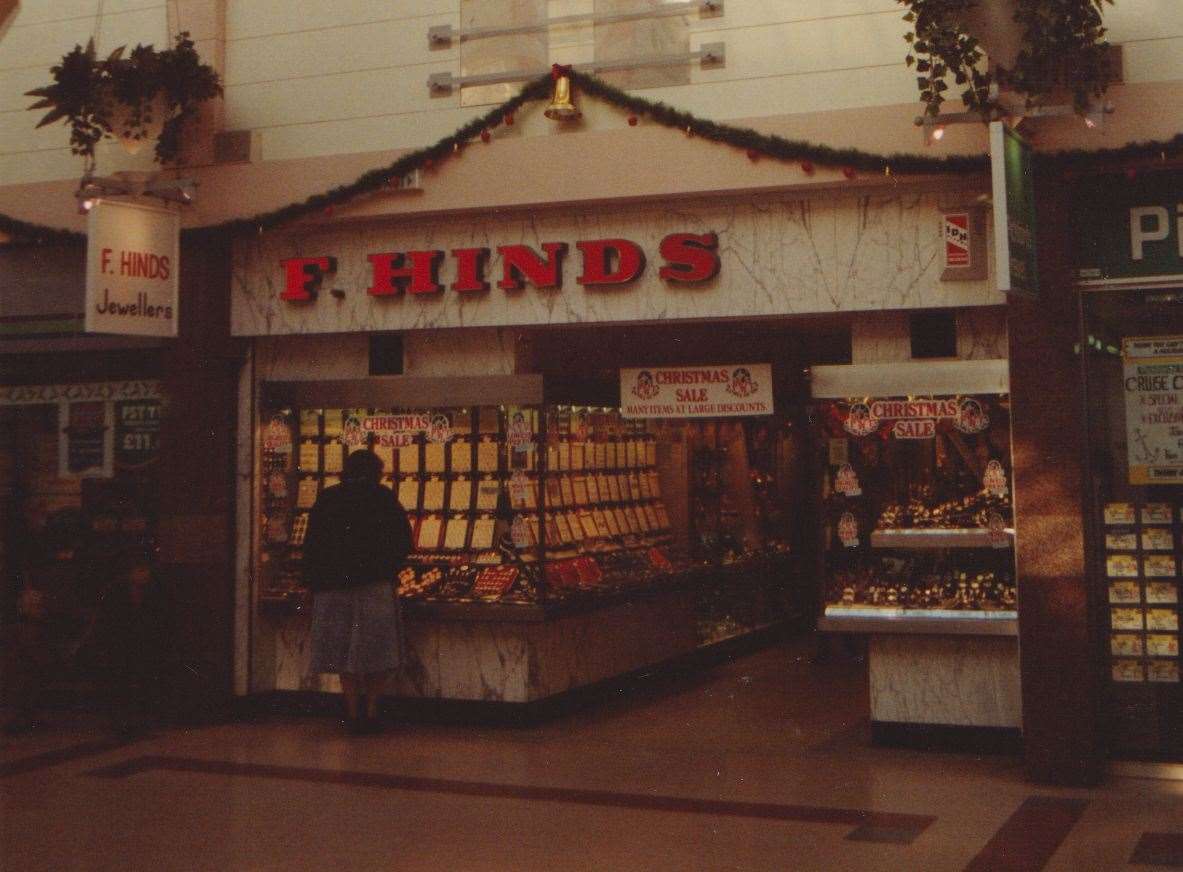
{"x":137,"y":432}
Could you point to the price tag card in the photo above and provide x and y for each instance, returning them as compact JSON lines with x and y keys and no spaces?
{"x":1162,"y":592}
{"x":554,"y":492}
{"x":655,"y":485}
{"x":331,"y":480}
{"x":1162,"y":645}
{"x":408,"y":459}
{"x":334,"y":423}
{"x":587,"y":523}
{"x":1128,"y":670}
{"x":1121,"y":566}
{"x":487,"y":492}
{"x":621,"y":521}
{"x":482,"y":533}
{"x":433,"y":494}
{"x":634,"y":486}
{"x":309,"y":457}
{"x":309,"y":422}
{"x":299,"y":529}
{"x":650,"y":453}
{"x":1125,"y":619}
{"x":567,"y":490}
{"x":1119,"y":513}
{"x":334,"y":456}
{"x":306,"y":493}
{"x":613,"y":489}
{"x":611,"y":458}
{"x":487,"y":455}
{"x":433,"y":457}
{"x":1162,"y":619}
{"x":630,"y":453}
{"x":651,"y":518}
{"x":564,"y":456}
{"x":456,"y":536}
{"x":1123,"y":541}
{"x":461,"y":456}
{"x":1156,"y":513}
{"x":578,"y":455}
{"x":430,"y":529}
{"x":1159,"y":566}
{"x":579,"y":486}
{"x":1164,"y":670}
{"x":1125,"y":644}
{"x":1157,"y":539}
{"x":601,"y":522}
{"x":634,"y":523}
{"x":460,"y":497}
{"x":408,"y":494}
{"x":593,"y":490}
{"x":575,"y":527}
{"x":610,"y":522}
{"x":552,"y":457}
{"x":564,"y":528}
{"x":643,"y":486}
{"x":663,"y":517}
{"x":1124,"y":592}
{"x":601,"y":455}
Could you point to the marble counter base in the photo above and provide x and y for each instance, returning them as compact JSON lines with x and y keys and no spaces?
{"x":960,"y":681}
{"x":505,"y":662}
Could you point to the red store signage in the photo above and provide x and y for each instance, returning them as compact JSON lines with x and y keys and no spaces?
{"x":686,"y":258}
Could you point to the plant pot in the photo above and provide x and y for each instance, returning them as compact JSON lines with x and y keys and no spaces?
{"x":992,"y":23}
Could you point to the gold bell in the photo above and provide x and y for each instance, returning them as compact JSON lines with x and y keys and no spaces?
{"x":561,"y":107}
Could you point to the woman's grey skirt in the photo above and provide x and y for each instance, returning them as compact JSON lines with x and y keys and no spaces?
{"x":357,"y":630}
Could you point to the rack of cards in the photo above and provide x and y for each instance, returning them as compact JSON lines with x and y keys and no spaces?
{"x":1142,"y":557}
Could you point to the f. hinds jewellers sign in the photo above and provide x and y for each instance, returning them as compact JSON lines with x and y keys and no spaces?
{"x":686,"y":257}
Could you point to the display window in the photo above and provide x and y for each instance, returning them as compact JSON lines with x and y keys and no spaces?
{"x":918,"y":513}
{"x":542,"y":504}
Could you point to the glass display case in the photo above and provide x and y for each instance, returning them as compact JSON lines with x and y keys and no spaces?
{"x":917,"y":509}
{"x":528,"y":506}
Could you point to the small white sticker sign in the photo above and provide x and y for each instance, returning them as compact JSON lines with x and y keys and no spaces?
{"x":132,"y":265}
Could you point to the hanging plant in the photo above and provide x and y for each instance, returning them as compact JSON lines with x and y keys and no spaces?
{"x":1061,"y":49}
{"x":134,"y":98}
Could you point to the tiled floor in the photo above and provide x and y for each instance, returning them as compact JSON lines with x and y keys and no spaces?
{"x":762,"y":763}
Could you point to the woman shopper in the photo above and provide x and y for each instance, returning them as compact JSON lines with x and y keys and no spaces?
{"x":358,"y":538}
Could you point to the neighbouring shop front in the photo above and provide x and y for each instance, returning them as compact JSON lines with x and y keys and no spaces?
{"x":1130,"y":272}
{"x":615,"y":432}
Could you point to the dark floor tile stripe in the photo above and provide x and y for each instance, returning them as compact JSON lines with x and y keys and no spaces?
{"x":895,"y":826}
{"x":1159,"y":849}
{"x":57,"y":756}
{"x":1030,"y":836}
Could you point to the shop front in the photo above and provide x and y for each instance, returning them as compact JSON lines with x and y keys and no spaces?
{"x":601,"y":423}
{"x":1130,"y":269}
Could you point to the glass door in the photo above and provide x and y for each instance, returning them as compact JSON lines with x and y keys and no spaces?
{"x":1133,"y":348}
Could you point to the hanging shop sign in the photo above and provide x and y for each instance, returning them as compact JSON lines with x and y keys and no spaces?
{"x":963,"y":235}
{"x":137,"y":433}
{"x":1153,"y":382}
{"x":1129,"y":228}
{"x":717,"y":391}
{"x":915,"y":419}
{"x":686,"y":257}
{"x":132,"y":265}
{"x":1012,"y":173}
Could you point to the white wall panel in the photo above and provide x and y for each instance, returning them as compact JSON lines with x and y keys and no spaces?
{"x":42,"y":45}
{"x":1156,"y":60}
{"x":248,"y":18}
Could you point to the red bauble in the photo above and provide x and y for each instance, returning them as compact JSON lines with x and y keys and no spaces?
{"x":1131,"y":173}
{"x":428,"y":164}
{"x":849,"y":172}
{"x":486,"y":136}
{"x":632,"y":121}
{"x":328,"y":211}
{"x":753,"y":154}
{"x":509,"y":119}
{"x":807,"y":167}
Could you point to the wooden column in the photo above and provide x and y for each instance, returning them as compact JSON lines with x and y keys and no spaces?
{"x":1057,"y":648}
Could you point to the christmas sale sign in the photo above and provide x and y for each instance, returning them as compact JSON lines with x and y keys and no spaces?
{"x":714,"y":391}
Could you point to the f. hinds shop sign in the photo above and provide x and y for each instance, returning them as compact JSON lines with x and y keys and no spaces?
{"x":685,"y":258}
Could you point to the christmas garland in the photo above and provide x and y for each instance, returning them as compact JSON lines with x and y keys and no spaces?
{"x":757,"y":145}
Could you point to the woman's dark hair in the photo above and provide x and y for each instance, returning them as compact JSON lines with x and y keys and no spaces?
{"x":363,"y":465}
